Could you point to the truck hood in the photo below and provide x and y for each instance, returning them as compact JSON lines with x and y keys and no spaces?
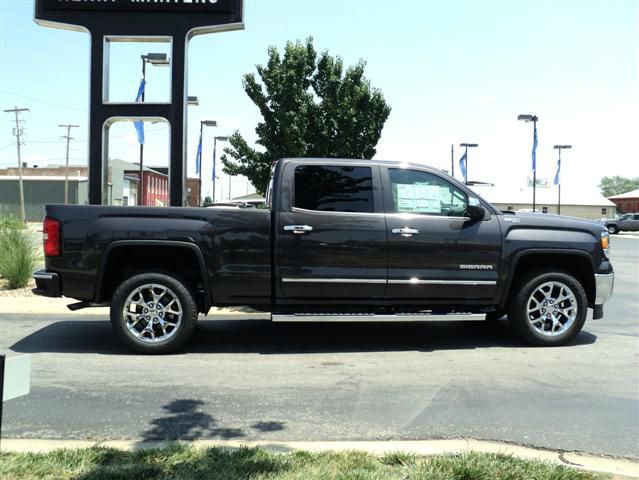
{"x":551,"y":222}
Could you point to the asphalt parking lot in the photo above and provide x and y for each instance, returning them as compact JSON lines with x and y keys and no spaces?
{"x":255,"y":380}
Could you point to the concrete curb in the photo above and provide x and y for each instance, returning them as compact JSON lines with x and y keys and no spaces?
{"x":37,"y":305}
{"x":619,"y":468}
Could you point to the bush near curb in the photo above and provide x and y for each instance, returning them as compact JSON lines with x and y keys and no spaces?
{"x":186,"y":462}
{"x":17,"y":253}
{"x":11,"y":222}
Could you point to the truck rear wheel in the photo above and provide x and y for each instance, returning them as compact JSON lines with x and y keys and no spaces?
{"x":153,"y":313}
{"x":548,"y":308}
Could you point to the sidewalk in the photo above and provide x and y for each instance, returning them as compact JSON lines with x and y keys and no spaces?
{"x":619,"y":468}
{"x":625,"y":235}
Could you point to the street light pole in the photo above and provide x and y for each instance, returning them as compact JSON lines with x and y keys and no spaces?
{"x":466,"y":146}
{"x":533,"y":118}
{"x":221,"y":139}
{"x":157,"y":59}
{"x":558,"y":176}
{"x":452,"y":160}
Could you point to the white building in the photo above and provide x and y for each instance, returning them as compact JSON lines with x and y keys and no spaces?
{"x":587,"y":203}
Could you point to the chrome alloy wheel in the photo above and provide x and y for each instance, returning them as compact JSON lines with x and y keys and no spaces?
{"x":152,"y":313}
{"x":552,"y":308}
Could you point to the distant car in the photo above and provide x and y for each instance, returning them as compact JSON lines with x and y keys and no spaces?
{"x":628,"y":223}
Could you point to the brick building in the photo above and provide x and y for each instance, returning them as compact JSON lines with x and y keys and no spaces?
{"x":626,"y":202}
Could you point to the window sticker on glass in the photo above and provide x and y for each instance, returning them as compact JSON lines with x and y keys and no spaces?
{"x":418,"y":198}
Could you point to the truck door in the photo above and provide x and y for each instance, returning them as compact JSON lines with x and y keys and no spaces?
{"x":330,"y":232}
{"x":434,"y":250}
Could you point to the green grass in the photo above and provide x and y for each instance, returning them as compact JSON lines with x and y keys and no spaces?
{"x":11,"y":222}
{"x":181,"y":462}
{"x":17,"y":256}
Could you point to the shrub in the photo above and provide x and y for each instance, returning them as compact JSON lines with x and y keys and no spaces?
{"x":11,"y":222}
{"x":17,"y":256}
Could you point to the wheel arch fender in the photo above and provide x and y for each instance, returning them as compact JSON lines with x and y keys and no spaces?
{"x":123,"y":244}
{"x":543,"y":255}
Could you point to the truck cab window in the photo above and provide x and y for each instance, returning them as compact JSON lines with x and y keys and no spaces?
{"x":333,"y":188}
{"x":415,"y":191}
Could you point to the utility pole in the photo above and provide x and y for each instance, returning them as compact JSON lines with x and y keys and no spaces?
{"x":66,"y":172}
{"x":18,"y":133}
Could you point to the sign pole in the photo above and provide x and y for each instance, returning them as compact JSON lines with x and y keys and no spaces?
{"x":139,"y":21}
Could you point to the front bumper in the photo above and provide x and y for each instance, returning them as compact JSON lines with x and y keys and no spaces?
{"x":604,"y":284}
{"x":47,"y":284}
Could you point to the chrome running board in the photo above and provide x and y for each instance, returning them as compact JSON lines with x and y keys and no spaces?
{"x":366,"y":317}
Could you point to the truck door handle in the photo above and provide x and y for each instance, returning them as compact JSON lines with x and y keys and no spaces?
{"x":405,"y":232}
{"x":298,"y":229}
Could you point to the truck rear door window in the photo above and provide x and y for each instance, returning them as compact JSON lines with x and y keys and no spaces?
{"x":333,"y":188}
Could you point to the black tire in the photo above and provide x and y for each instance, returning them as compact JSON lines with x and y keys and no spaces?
{"x":612,"y":229}
{"x":521,"y":296}
{"x":176,"y":336}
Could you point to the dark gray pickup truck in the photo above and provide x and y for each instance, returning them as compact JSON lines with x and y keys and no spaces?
{"x":339,"y":240}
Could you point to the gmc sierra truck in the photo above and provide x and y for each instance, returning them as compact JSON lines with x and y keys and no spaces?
{"x":337,"y":241}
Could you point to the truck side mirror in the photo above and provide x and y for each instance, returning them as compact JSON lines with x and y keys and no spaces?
{"x":474,"y":210}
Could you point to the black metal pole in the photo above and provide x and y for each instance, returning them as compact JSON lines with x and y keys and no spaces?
{"x":466,"y":176}
{"x":452,"y":160}
{"x":534,"y":169}
{"x":2,"y":359}
{"x":97,"y":170}
{"x":141,"y":182}
{"x":213,"y":174}
{"x":199,"y":201}
{"x":177,"y":163}
{"x":559,"y":184}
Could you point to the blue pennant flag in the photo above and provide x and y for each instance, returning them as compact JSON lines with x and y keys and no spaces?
{"x":139,"y":125}
{"x":534,"y":151}
{"x":557,"y":179}
{"x":198,"y":156}
{"x":462,"y":166}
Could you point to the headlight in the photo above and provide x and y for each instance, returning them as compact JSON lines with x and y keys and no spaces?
{"x":605,"y":242}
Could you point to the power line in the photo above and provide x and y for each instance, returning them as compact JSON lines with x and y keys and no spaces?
{"x":44,"y":101}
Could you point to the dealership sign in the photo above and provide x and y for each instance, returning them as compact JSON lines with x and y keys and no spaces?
{"x":123,"y":14}
{"x":108,"y":21}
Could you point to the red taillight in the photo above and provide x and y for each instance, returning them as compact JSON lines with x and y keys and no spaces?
{"x":51,"y":237}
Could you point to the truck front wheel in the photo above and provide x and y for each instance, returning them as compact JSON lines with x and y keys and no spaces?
{"x":548,"y":308}
{"x":153,"y":313}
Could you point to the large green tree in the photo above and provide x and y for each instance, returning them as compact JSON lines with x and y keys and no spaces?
{"x":311,"y":107}
{"x":610,"y":186}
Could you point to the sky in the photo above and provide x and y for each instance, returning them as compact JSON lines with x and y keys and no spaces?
{"x":452,"y":72}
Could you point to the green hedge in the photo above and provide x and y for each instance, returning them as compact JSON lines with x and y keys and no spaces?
{"x":17,"y":253}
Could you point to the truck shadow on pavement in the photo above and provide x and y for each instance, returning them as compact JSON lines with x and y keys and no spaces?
{"x":267,"y":338}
